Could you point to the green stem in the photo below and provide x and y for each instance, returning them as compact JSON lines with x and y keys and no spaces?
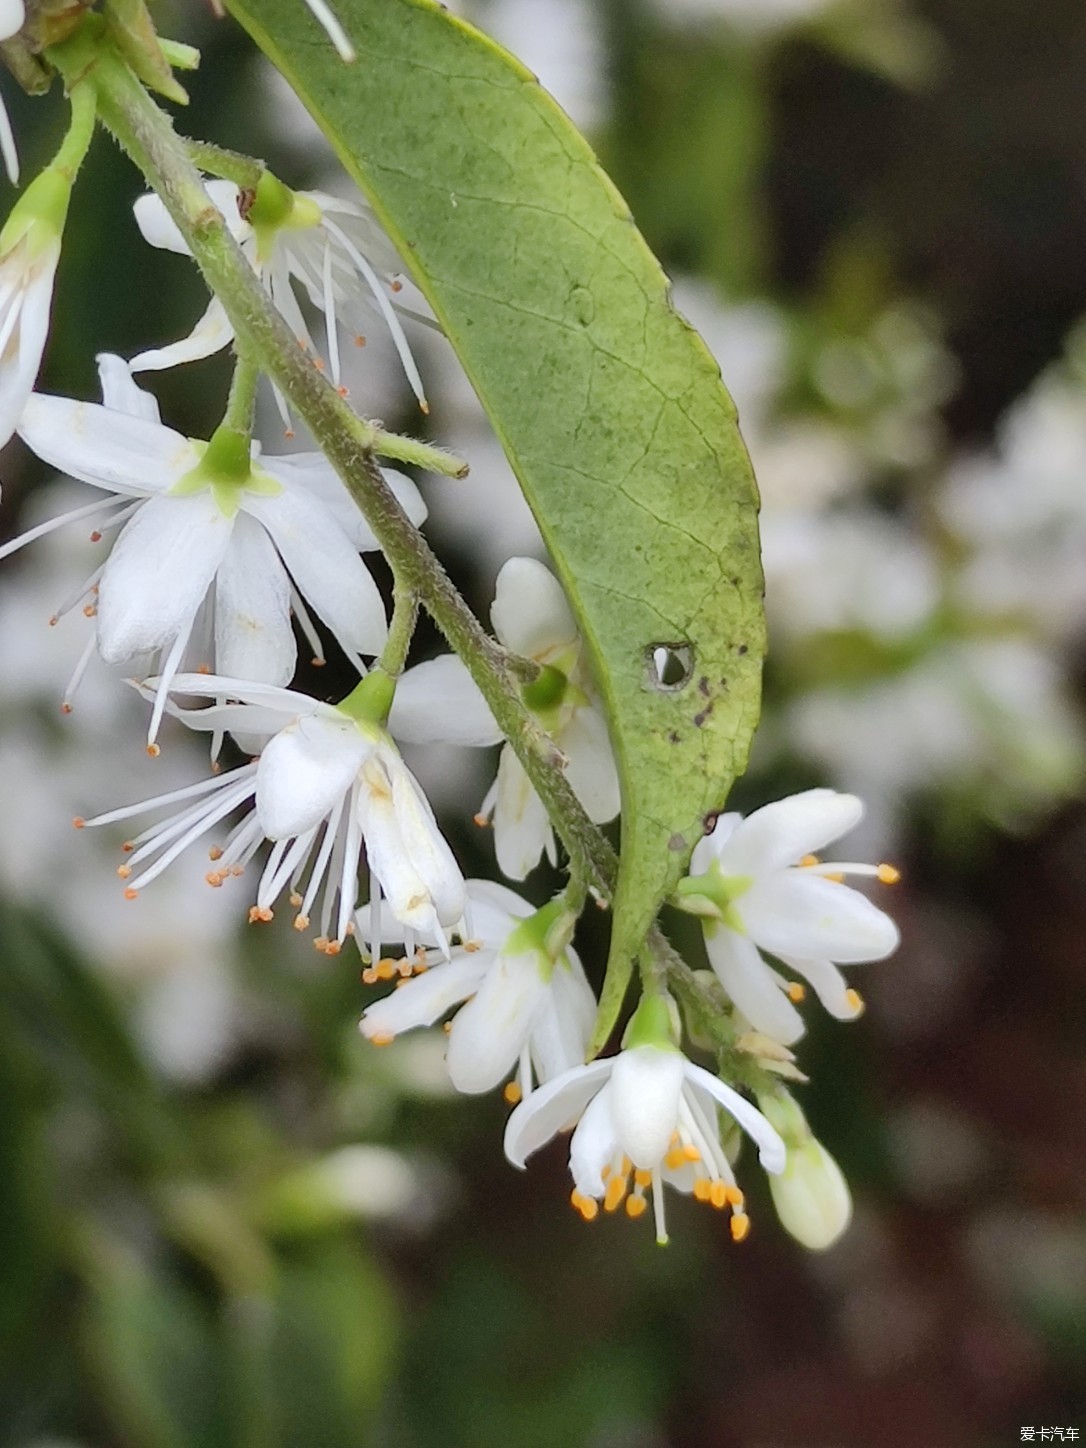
{"x":241,"y":403}
{"x":80,"y":133}
{"x":401,"y":630}
{"x":244,"y":171}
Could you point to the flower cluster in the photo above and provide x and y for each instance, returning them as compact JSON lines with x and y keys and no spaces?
{"x":216,"y":556}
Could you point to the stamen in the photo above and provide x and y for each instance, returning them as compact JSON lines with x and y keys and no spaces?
{"x":796,"y":992}
{"x":382,"y":1038}
{"x":512,"y":1092}
{"x":855,"y":1001}
{"x":888,"y":874}
{"x":739,"y":1226}
{"x":616,"y":1190}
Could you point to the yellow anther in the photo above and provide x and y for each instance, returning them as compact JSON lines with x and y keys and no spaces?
{"x":215,"y":853}
{"x":636,"y":1206}
{"x":854,"y":1000}
{"x":587,"y":1206}
{"x":889,"y":874}
{"x":641,"y":1177}
{"x":124,"y":871}
{"x":259,"y":914}
{"x":512,"y":1092}
{"x":605,"y":1170}
{"x":691,"y":1152}
{"x":718,"y":1194}
{"x":447,"y":1027}
{"x":675,"y":1158}
{"x":369,"y":976}
{"x":153,"y":750}
{"x":131,"y":894}
{"x":796,"y":992}
{"x":382,"y":1038}
{"x":616,"y":1190}
{"x":735,"y":1197}
{"x":128,"y":847}
{"x":481,"y":820}
{"x":386,"y":968}
{"x":214,"y":879}
{"x":79,"y":823}
{"x":295,"y":899}
{"x":471,"y":946}
{"x":702,"y":1189}
{"x":740,"y":1226}
{"x":301,"y":922}
{"x":808,"y":861}
{"x":837,"y":878}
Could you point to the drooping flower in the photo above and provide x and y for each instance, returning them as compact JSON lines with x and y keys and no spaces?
{"x":532,"y":618}
{"x":12,"y":19}
{"x":529,"y":1005}
{"x":758,"y":886}
{"x":329,"y":783}
{"x":333,"y":249}
{"x":648,"y":1113}
{"x":215,"y":546}
{"x":811,"y":1195}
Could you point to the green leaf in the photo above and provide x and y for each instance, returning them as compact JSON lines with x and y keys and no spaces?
{"x":608,"y":405}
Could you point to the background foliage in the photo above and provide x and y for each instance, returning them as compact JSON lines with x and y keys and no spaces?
{"x":223,"y":1219}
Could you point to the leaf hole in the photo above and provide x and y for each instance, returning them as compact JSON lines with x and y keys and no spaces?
{"x":669,"y":666}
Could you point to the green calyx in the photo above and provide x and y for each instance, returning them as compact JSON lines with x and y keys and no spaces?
{"x":653,"y":1023}
{"x":547,"y":690}
{"x":37,"y":218}
{"x":713,"y":895}
{"x":370,"y":700}
{"x":226,"y":468}
{"x":276,"y":207}
{"x":544,"y":934}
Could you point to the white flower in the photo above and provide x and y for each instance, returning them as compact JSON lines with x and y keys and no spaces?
{"x":206,"y":554}
{"x":650,"y":1112}
{"x":12,"y":18}
{"x":328,"y":783}
{"x":528,"y":1003}
{"x":29,"y":252}
{"x":532,"y":618}
{"x":334,"y":249}
{"x":758,"y":886}
{"x":811,"y":1195}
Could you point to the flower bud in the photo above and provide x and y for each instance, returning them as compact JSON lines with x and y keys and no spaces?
{"x":811,"y":1196}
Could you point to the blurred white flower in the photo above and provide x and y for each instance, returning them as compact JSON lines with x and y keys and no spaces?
{"x":12,"y":19}
{"x":758,"y":886}
{"x":561,"y":41}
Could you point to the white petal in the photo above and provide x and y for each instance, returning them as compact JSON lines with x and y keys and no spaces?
{"x":159,"y":229}
{"x":829,"y":985}
{"x":288,"y":702}
{"x":591,"y":770}
{"x":306,"y":769}
{"x":794,"y":912}
{"x":408,"y":894}
{"x":325,"y":567}
{"x":425,"y":845}
{"x":439,"y":700}
{"x":563,"y":1029}
{"x":211,"y":334}
{"x":426,"y":998}
{"x":32,"y":302}
{"x":771,"y":1149}
{"x":492,"y":904}
{"x":158,"y":573}
{"x":254,"y":638}
{"x":594,"y":1144}
{"x":8,"y":148}
{"x":120,"y":393}
{"x":709,"y":846}
{"x":551,"y":1107}
{"x":645,"y":1087}
{"x":751,"y":984}
{"x":12,"y":18}
{"x":489,"y":1033}
{"x":315,"y":474}
{"x":125,"y":454}
{"x":530,"y":613}
{"x":521,"y":825}
{"x":782,"y":833}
